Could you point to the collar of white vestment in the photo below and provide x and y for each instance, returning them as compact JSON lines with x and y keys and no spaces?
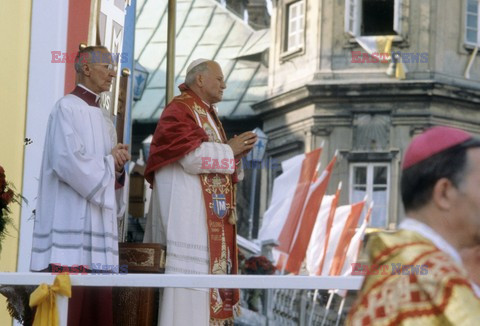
{"x":212,"y":106}
{"x":86,"y":94}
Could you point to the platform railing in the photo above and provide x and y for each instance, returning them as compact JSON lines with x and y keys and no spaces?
{"x":184,"y":281}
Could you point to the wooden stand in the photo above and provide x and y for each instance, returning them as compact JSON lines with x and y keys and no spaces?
{"x":138,"y":306}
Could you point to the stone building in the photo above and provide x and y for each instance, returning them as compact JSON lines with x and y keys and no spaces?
{"x":322,"y":86}
{"x":255,"y":10}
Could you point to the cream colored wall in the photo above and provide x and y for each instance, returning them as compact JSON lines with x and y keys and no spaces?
{"x":14,"y":55}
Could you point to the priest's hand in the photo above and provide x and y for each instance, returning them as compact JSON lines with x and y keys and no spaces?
{"x":242,"y":144}
{"x":121,"y":156}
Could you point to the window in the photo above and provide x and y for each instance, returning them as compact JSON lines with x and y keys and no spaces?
{"x":373,"y":17}
{"x":295,"y":25}
{"x":371,"y":179}
{"x":471,"y":23}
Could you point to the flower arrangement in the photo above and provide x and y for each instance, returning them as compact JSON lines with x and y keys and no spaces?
{"x":7,"y":196}
{"x":259,"y":265}
{"x":17,"y":296}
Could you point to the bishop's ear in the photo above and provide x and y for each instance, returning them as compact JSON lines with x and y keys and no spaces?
{"x":86,"y":69}
{"x":444,"y":193}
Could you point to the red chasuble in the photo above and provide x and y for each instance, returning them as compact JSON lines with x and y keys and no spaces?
{"x":184,"y":125}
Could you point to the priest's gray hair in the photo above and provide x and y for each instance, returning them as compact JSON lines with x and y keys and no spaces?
{"x":192,"y":74}
{"x":85,"y":55}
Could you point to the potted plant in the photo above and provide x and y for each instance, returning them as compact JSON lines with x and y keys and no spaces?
{"x":7,"y":197}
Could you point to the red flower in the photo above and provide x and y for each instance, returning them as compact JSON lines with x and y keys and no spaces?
{"x":7,"y":196}
{"x":3,"y":182}
{"x":241,"y":256}
{"x":259,"y":265}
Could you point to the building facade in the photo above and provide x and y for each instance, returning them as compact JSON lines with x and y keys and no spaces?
{"x":324,"y":86}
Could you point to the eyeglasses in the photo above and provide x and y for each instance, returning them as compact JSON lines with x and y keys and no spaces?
{"x":110,"y":66}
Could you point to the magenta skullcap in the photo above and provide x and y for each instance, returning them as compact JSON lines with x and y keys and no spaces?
{"x":431,"y":142}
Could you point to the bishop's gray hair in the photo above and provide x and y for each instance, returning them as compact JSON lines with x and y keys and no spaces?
{"x":89,"y":54}
{"x":192,"y":74}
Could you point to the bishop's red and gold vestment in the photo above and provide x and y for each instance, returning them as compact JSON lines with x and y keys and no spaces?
{"x":420,"y":285}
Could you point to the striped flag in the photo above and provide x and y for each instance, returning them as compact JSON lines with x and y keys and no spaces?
{"x":297,"y":252}
{"x":375,"y":45}
{"x":307,"y":174}
{"x":345,"y":238}
{"x":354,"y":250}
{"x":317,"y":239}
{"x":355,"y":245}
{"x":329,"y":237}
{"x":282,"y":195}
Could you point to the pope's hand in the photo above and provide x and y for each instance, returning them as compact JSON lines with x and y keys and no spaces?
{"x":242,"y":144}
{"x":121,"y":156}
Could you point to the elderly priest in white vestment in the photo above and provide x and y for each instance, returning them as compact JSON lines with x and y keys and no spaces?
{"x":193,"y":168}
{"x":82,"y":169}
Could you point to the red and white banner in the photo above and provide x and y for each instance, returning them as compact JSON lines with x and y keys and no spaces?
{"x":354,"y":249}
{"x":317,"y":240}
{"x":345,"y":238}
{"x":355,"y":245}
{"x":282,"y":196}
{"x":330,"y":233}
{"x":298,"y":249}
{"x":307,"y":174}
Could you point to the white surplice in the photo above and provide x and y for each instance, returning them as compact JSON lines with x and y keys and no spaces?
{"x":76,"y":212}
{"x":178,"y":220}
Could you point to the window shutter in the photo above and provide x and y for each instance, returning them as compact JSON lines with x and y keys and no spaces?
{"x":397,"y":16}
{"x":471,"y":23}
{"x":295,"y":26}
{"x":352,"y":19}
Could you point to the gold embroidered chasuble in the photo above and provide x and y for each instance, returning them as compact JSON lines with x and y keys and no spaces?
{"x":415,"y":283}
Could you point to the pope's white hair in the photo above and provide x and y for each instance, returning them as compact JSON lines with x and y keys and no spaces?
{"x":193,"y":72}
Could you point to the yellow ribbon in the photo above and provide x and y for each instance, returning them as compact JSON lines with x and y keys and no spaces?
{"x":400,"y":71}
{"x":44,"y":299}
{"x":385,"y":43}
{"x":388,"y":44}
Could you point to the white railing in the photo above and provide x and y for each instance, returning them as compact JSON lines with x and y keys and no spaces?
{"x":185,"y":281}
